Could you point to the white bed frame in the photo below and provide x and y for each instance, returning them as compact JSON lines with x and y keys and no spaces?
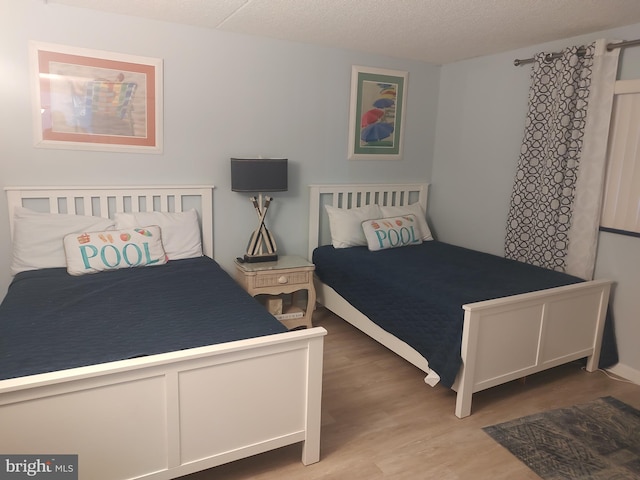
{"x":168,"y":415}
{"x":503,"y":339}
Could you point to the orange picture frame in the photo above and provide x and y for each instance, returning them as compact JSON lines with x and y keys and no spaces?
{"x":94,"y":100}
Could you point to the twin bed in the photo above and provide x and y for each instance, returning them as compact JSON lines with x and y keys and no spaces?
{"x":148,"y":372}
{"x":467,"y":319}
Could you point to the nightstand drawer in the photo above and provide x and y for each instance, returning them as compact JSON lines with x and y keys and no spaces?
{"x":286,"y":277}
{"x":271,"y":280}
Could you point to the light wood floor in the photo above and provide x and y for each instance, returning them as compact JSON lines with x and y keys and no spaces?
{"x":380,"y":420}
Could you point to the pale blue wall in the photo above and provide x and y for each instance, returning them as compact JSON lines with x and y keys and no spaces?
{"x":482,"y":108}
{"x":228,"y":95}
{"x":224,"y":95}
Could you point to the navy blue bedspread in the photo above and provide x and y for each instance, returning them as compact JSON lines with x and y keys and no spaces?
{"x":416,"y":293}
{"x":51,"y":321}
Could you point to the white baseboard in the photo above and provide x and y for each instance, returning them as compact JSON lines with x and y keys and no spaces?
{"x":625,"y":372}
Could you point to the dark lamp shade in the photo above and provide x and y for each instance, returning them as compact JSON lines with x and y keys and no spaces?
{"x":259,"y":174}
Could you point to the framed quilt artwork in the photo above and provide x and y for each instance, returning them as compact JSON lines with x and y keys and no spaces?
{"x":376,"y":120}
{"x":94,"y":100}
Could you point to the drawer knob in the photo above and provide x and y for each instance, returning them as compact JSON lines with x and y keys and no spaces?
{"x":283,"y":279}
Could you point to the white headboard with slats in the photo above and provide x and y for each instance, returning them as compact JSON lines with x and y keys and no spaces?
{"x":106,"y":201}
{"x":357,"y":195}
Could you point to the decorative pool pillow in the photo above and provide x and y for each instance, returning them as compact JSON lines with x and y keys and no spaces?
{"x":391,"y":232}
{"x":38,"y":237}
{"x":413,"y":209}
{"x":93,"y":252}
{"x":346,"y":224}
{"x":180,"y":230}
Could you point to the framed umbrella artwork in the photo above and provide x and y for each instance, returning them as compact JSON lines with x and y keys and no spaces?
{"x":376,"y":120}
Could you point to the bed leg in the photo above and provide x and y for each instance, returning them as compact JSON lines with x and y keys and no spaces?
{"x":310,"y":451}
{"x":593,"y":361}
{"x":311,"y":445}
{"x":470,"y":339}
{"x":463,"y":403}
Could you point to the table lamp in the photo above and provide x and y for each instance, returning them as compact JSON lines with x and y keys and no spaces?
{"x":260,"y":175}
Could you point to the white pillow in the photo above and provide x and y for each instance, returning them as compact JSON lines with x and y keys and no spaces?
{"x":413,"y":209}
{"x":180,"y":230}
{"x":346,"y":224}
{"x":92,"y":252}
{"x":38,"y":237}
{"x":391,"y":232}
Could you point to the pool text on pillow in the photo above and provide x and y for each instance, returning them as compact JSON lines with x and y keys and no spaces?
{"x":111,"y":255}
{"x":113,"y":249}
{"x":392,"y":232}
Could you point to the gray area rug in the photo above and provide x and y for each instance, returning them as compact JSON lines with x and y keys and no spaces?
{"x":599,"y":440}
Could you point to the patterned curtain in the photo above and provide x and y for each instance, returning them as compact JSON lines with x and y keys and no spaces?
{"x":560,"y":124}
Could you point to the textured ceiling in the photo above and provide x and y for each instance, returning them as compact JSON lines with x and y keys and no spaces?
{"x":435,"y":31}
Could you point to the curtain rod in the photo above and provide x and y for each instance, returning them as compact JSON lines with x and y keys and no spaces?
{"x":550,"y":56}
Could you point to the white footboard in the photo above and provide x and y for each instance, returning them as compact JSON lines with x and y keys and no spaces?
{"x":508,"y":338}
{"x":169,"y":415}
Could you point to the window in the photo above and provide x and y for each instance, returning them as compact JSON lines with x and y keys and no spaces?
{"x":621,"y":204}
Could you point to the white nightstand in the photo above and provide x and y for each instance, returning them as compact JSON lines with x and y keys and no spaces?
{"x":289,"y":274}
